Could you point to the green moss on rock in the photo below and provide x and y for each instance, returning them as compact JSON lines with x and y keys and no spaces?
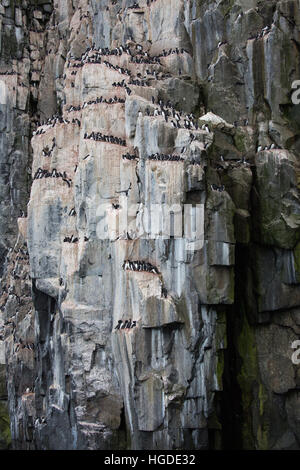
{"x":254,"y":394}
{"x":297,"y":261}
{"x":240,"y":141}
{"x":246,"y":377}
{"x":5,"y":436}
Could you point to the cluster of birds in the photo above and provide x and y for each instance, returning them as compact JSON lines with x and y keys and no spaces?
{"x":22,"y":345}
{"x":139,"y":56}
{"x":22,"y":252}
{"x":99,"y":137}
{"x":93,"y":59}
{"x":176,"y":124}
{"x":173,"y":51}
{"x":139,"y":266}
{"x":260,"y":148}
{"x":73,"y":108}
{"x":125,"y":325}
{"x":15,"y":276}
{"x":145,"y":59}
{"x":102,"y":51}
{"x":188,"y":120}
{"x":74,"y":65}
{"x":244,"y":122}
{"x":113,"y":100}
{"x":117,"y":68}
{"x":10,"y":323}
{"x":40,"y":173}
{"x":165,"y":157}
{"x":215,"y":187}
{"x":137,"y":82}
{"x":2,"y":333}
{"x":124,"y":85}
{"x":94,"y":55}
{"x":47,"y":151}
{"x":40,"y":420}
{"x":8,"y":73}
{"x":261,"y":34}
{"x":157,"y":75}
{"x":129,"y":156}
{"x":167,"y":110}
{"x":134,"y":6}
{"x":71,"y":239}
{"x":98,"y":100}
{"x":53,"y":121}
{"x":39,"y":131}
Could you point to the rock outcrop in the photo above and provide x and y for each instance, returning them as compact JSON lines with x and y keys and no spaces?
{"x":129,"y":333}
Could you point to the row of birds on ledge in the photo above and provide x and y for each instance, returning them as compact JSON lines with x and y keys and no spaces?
{"x":41,"y":173}
{"x":260,"y":148}
{"x":47,"y":151}
{"x":129,"y":156}
{"x":135,"y":4}
{"x":125,"y":325}
{"x":165,"y":157}
{"x":55,"y":119}
{"x":139,"y":266}
{"x":99,"y":137}
{"x":73,"y":239}
{"x":113,"y":100}
{"x":22,"y":345}
{"x":138,"y":55}
{"x":215,"y":187}
{"x":9,"y":73}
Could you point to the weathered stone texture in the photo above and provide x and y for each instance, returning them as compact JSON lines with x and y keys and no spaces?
{"x":208,"y":364}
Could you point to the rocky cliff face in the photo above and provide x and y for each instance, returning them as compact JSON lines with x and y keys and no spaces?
{"x":193,"y":112}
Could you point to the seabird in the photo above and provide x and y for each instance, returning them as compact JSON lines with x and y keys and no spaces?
{"x":118,"y":325}
{"x":164,"y":292}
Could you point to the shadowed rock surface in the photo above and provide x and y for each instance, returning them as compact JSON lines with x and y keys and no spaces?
{"x":207,"y":362}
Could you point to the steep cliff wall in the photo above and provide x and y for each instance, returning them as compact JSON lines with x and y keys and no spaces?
{"x":194,"y":111}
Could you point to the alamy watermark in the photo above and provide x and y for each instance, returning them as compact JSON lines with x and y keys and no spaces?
{"x":296,"y":355}
{"x":296,"y":93}
{"x":296,"y":344}
{"x":151,"y":222}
